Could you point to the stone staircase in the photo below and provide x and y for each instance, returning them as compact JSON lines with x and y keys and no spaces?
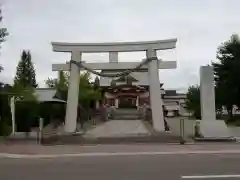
{"x":126,"y":114}
{"x":162,"y":137}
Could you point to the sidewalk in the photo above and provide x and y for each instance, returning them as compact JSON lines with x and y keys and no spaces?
{"x":34,"y":149}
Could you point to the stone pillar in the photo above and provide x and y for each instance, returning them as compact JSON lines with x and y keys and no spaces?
{"x":208,"y":111}
{"x":72,"y":100}
{"x":116,"y":103}
{"x":137,"y":101}
{"x":155,"y":92}
{"x":209,"y":126}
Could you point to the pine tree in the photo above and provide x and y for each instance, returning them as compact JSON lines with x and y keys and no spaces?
{"x":25,"y":75}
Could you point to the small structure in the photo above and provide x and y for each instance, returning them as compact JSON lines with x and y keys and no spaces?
{"x":47,"y":95}
{"x":174,"y":103}
{"x":43,"y":95}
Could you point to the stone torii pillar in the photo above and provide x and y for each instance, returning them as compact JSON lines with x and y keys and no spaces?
{"x":155,"y":92}
{"x":72,"y":97}
{"x":150,"y":47}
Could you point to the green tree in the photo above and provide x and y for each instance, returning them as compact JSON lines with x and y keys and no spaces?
{"x":25,"y":75}
{"x":3,"y":34}
{"x":87,"y":91}
{"x":57,"y":111}
{"x":24,"y":87}
{"x":27,"y":108}
{"x":227,"y":74}
{"x":51,"y":83}
{"x":60,"y":84}
{"x":5,"y":113}
{"x":193,"y":101}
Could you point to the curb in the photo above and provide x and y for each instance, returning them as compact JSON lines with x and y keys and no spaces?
{"x":108,"y":154}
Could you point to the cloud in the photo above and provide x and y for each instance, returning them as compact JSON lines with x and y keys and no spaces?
{"x":200,"y":26}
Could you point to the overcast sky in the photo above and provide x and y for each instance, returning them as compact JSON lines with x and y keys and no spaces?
{"x":200,"y":26}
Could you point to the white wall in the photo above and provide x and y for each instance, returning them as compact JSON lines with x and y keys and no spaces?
{"x":174,"y":124}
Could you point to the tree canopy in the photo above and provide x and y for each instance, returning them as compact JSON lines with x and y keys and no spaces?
{"x":193,"y":101}
{"x":3,"y":34}
{"x":60,"y":84}
{"x":87,"y":91}
{"x":25,"y":75}
{"x":227,"y":74}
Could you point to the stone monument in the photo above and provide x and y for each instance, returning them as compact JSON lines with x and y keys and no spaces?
{"x":209,"y":126}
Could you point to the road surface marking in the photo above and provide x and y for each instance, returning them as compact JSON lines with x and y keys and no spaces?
{"x":36,"y":156}
{"x":211,"y":176}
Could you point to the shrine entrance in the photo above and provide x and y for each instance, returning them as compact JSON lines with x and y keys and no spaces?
{"x":151,"y":65}
{"x":127,"y":101}
{"x":125,"y":95}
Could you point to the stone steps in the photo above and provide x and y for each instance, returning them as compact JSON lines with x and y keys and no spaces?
{"x":162,"y":137}
{"x":126,"y":117}
{"x":126,"y":114}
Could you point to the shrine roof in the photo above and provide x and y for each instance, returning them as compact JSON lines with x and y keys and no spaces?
{"x":123,"y":79}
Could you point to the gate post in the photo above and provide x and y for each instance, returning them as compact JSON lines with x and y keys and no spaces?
{"x":72,"y":98}
{"x":182,"y":135}
{"x":40,"y":135}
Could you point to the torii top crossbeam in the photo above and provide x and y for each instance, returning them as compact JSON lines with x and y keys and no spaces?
{"x":114,"y":47}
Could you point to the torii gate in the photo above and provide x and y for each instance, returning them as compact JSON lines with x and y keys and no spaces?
{"x":150,"y":47}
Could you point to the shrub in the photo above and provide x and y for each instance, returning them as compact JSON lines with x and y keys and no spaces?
{"x":5,"y":128}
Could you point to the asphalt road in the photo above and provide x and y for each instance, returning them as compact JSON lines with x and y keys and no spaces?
{"x":137,"y":167}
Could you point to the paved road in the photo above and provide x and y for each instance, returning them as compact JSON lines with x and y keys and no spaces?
{"x":137,"y":167}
